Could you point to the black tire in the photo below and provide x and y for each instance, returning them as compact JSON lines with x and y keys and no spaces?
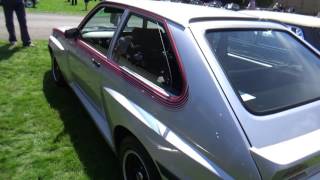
{"x":56,"y":73}
{"x":135,"y":161}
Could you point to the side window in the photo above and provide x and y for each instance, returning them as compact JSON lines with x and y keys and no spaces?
{"x":99,"y":30}
{"x":135,"y":22}
{"x":144,"y":50}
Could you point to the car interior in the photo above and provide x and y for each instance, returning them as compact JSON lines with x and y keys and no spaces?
{"x":145,"y":49}
{"x":100,"y":29}
{"x":266,"y":76}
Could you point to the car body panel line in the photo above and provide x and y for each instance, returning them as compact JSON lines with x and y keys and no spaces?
{"x":162,"y":130}
{"x":60,"y":30}
{"x":171,"y":101}
{"x":98,"y":119}
{"x":227,"y":101}
{"x":288,"y":154}
{"x":60,"y":54}
{"x":166,"y":172}
{"x":197,"y":127}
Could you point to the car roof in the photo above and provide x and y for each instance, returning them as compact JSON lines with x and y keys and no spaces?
{"x":179,"y":12}
{"x":289,"y":18}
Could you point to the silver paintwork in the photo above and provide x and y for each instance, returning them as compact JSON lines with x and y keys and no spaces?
{"x":56,"y":42}
{"x":212,"y":136}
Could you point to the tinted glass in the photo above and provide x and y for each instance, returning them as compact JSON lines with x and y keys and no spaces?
{"x":312,"y":35}
{"x":269,"y":70}
{"x":99,"y":30}
{"x":144,"y":49}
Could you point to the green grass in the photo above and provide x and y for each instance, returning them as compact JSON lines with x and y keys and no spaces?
{"x":62,"y":7}
{"x":45,"y":133}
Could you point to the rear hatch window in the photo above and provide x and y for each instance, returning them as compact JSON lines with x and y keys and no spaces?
{"x":269,"y":70}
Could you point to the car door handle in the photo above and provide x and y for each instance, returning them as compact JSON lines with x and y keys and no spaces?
{"x":95,"y":62}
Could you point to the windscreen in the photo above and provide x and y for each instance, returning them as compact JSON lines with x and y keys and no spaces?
{"x":270,"y":70}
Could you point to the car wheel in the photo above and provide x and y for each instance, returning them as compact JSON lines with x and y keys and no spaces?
{"x":56,"y":73}
{"x":135,"y":162}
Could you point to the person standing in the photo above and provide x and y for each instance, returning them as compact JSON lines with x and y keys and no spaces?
{"x":17,"y":6}
{"x":86,"y":5}
{"x":34,"y":3}
{"x":74,"y":2}
{"x":252,"y":5}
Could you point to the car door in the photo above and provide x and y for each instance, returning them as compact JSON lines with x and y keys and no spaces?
{"x":148,"y":63}
{"x":90,"y":49}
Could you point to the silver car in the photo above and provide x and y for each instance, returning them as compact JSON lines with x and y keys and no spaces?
{"x":306,"y":27}
{"x":189,"y":92}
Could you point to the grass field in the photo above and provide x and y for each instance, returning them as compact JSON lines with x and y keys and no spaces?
{"x":62,"y":7}
{"x":44,"y":131}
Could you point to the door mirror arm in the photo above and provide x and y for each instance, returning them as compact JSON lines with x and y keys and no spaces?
{"x":72,"y":33}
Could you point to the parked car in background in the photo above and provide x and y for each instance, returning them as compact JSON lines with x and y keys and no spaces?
{"x":31,"y":3}
{"x":306,"y":27}
{"x":307,"y":7}
{"x":205,"y":93}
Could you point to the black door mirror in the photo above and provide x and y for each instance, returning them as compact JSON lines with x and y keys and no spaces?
{"x":72,"y":33}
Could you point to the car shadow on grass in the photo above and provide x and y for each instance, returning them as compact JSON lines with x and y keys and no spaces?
{"x":96,"y":156}
{"x":6,"y":53}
